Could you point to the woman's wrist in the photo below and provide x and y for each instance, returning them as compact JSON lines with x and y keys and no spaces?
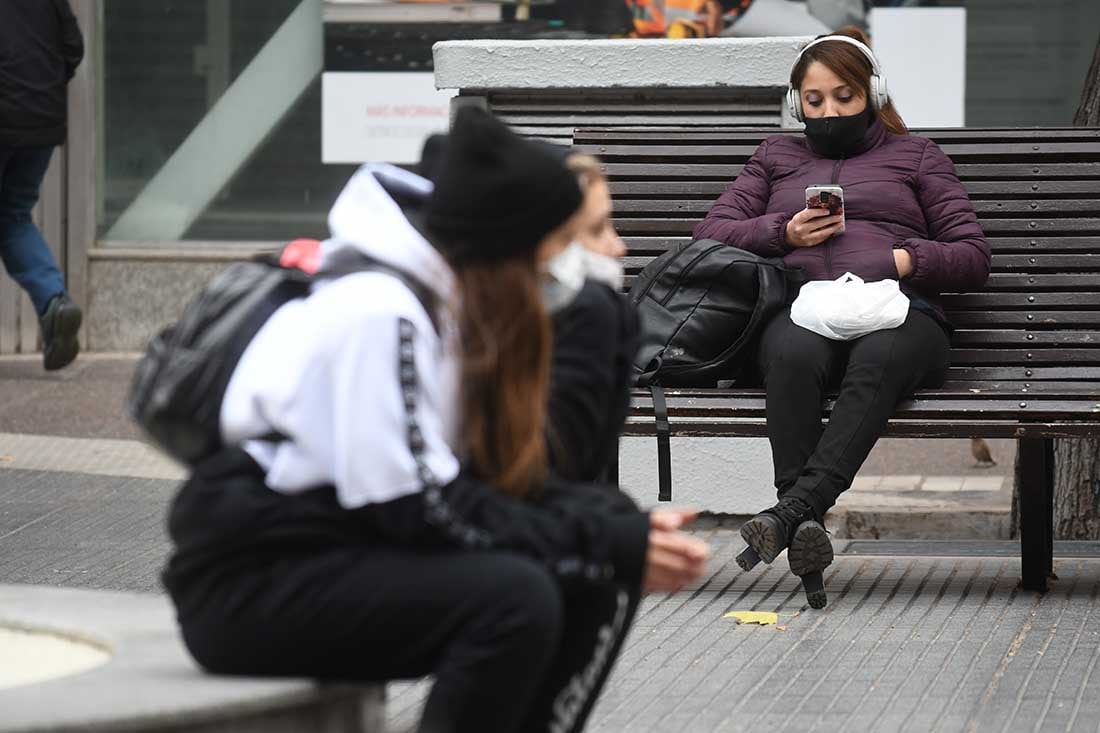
{"x":903,"y":261}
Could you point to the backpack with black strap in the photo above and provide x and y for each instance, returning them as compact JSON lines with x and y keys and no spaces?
{"x":703,"y":305}
{"x":179,"y":384}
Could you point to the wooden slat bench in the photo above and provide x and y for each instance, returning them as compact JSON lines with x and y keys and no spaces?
{"x":1026,"y":355}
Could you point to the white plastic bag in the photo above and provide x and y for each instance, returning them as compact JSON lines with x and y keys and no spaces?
{"x":847,"y":308}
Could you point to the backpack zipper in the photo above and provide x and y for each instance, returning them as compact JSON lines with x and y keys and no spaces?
{"x":828,"y":246}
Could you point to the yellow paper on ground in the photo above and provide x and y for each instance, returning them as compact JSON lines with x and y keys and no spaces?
{"x":761,"y":618}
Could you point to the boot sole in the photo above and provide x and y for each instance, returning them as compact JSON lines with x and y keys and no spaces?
{"x":764,"y":536}
{"x":810,"y":553}
{"x":64,"y":346}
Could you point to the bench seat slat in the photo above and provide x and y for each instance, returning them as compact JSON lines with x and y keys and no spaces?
{"x":924,"y":428}
{"x":1002,"y":389}
{"x":1029,"y":407}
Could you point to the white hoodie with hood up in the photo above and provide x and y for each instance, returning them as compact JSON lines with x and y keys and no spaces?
{"x":322,"y":370}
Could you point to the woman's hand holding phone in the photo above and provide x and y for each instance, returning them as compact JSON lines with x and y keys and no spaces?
{"x":811,"y":227}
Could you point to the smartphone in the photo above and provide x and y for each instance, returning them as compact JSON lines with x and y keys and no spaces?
{"x":826,"y":197}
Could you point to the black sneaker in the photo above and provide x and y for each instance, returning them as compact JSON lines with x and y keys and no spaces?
{"x":770,"y":531}
{"x":60,"y":324}
{"x":809,"y":554}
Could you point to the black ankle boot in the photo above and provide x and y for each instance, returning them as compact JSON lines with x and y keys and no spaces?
{"x":770,"y":532}
{"x":809,"y":554}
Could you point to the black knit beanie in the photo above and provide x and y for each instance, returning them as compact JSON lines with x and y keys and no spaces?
{"x":496,"y":195}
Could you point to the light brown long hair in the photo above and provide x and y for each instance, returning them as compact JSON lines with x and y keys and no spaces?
{"x":853,"y":68}
{"x":587,"y":169}
{"x":506,"y":342}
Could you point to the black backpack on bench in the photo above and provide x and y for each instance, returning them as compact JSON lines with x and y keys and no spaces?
{"x":702,"y":306}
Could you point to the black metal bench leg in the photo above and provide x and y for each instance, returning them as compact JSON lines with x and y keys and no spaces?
{"x":1048,"y":476}
{"x":664,"y":446}
{"x":1036,"y":509}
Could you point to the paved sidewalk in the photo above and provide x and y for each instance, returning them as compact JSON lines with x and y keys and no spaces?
{"x":917,"y":636}
{"x":907,"y":643}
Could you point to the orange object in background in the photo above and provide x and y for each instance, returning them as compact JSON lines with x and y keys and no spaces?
{"x":659,"y":18}
{"x":684,"y":18}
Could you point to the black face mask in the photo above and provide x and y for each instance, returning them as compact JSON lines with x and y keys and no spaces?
{"x":838,"y":137}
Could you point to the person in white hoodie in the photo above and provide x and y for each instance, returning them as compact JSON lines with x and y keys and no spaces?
{"x":406,"y":522}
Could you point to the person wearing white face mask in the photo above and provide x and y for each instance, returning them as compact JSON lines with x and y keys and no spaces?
{"x":408,"y":522}
{"x":596,"y":334}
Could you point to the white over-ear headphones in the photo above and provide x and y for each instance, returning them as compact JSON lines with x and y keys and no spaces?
{"x":879,"y":93}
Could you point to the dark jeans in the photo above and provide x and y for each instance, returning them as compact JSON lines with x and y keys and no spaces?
{"x":25,"y":254}
{"x":817,"y":463}
{"x":511,"y":648}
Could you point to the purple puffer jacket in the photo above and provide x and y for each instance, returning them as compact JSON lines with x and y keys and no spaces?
{"x":900,"y":191}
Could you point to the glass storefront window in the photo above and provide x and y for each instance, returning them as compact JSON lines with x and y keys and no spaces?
{"x":211,"y":121}
{"x":211,"y":110}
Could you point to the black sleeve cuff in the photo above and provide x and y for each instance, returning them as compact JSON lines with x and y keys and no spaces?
{"x":629,"y":544}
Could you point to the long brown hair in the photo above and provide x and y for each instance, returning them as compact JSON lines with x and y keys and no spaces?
{"x":506,"y":341}
{"x":853,"y":68}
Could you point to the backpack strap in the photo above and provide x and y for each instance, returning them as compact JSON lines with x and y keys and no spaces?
{"x":664,"y":444}
{"x":436,"y":509}
{"x":348,"y":262}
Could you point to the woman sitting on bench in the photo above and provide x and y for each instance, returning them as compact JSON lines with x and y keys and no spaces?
{"x":905,"y":217}
{"x":408,"y":524}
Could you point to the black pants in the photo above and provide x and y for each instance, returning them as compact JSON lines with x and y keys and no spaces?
{"x":817,"y":463}
{"x":510,"y":647}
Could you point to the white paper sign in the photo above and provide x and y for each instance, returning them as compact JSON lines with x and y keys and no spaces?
{"x":380,"y":116}
{"x":923,"y":55}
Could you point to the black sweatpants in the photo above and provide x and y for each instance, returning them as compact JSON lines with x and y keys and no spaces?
{"x":512,"y":646}
{"x":817,"y":463}
{"x":511,"y":649}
